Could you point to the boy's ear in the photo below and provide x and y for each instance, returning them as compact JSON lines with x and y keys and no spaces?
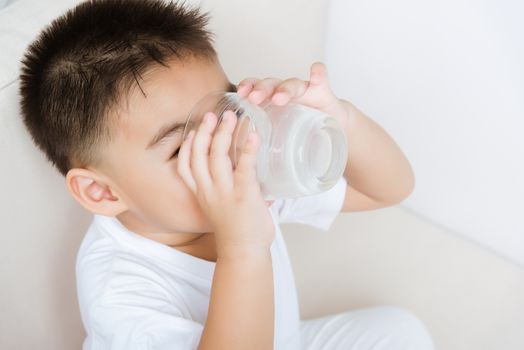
{"x":93,"y":192}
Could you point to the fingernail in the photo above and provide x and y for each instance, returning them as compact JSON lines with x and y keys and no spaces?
{"x":254,"y":96}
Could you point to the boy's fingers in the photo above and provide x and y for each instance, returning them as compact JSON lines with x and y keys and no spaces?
{"x":263,"y":89}
{"x":245,"y":172}
{"x":289,"y":89}
{"x":200,"y":151}
{"x":183,"y":165}
{"x":220,"y":164}
{"x":245,"y":86}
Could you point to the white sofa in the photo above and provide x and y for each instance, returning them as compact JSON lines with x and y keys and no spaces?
{"x":41,"y":224}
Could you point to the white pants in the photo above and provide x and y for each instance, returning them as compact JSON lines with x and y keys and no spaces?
{"x":377,"y":328}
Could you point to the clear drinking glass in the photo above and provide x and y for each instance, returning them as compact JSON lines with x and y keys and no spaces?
{"x":303,"y":151}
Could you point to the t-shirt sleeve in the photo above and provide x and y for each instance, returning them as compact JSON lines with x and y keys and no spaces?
{"x":141,"y":319}
{"x":318,"y":210}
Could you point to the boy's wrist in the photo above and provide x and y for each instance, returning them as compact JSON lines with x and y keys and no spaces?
{"x":242,"y":252}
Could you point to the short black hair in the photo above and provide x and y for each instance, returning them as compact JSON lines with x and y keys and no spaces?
{"x":83,"y":63}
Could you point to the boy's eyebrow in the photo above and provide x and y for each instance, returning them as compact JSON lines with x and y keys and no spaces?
{"x":166,"y":131}
{"x":170,"y":129}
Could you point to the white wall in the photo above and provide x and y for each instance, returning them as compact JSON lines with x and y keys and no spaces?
{"x":5,"y":3}
{"x":446,"y":80}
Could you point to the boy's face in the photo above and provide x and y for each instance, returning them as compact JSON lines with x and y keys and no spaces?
{"x":144,"y":176}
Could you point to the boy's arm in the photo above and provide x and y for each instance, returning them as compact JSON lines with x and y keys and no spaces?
{"x":241,"y":309}
{"x":377,"y":172}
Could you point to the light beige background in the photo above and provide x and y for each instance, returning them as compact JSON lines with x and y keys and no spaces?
{"x":468,"y":297}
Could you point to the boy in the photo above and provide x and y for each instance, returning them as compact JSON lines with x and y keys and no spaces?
{"x":183,"y":252}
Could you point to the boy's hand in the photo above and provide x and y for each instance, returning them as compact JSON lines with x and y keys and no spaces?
{"x":315,"y":93}
{"x":231,"y":200}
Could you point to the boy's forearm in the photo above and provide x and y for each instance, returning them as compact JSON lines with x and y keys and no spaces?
{"x":376,"y":165}
{"x":241,"y":307}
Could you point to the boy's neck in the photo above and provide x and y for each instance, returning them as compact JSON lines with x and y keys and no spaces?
{"x":201,"y":245}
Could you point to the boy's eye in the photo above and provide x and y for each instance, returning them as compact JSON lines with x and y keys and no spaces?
{"x":175,"y":153}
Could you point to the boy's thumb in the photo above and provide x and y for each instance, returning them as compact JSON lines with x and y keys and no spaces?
{"x":318,"y":73}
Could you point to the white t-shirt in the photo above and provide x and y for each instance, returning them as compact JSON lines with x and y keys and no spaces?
{"x":135,"y":293}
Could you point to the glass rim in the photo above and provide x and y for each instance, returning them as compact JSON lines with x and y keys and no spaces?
{"x":196,"y":105}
